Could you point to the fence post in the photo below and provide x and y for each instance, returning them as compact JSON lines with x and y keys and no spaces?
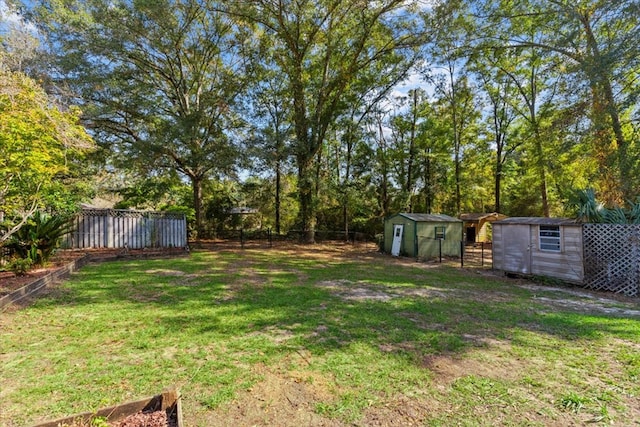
{"x":241,"y":238}
{"x":462,"y":253}
{"x":270,"y":237}
{"x":440,"y":249}
{"x":481,"y":254}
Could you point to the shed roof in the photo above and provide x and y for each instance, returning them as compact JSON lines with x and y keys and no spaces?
{"x":481,"y":216}
{"x":243,"y":211}
{"x":420,"y":217}
{"x":533,"y":220}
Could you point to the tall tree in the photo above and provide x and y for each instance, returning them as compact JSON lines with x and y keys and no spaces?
{"x":273,"y":144}
{"x":500,"y":93}
{"x":381,"y":172}
{"x":159,"y":79}
{"x":530,"y":76}
{"x":457,"y":103}
{"x":450,"y":75}
{"x":321,"y":47}
{"x":596,"y":43}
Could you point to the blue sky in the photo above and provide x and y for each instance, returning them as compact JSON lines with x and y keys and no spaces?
{"x":9,"y":18}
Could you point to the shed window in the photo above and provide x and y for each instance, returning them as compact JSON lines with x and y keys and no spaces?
{"x":550,"y":238}
{"x":440,"y":233}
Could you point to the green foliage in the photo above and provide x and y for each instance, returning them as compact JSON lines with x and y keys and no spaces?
{"x":38,"y":238}
{"x":20,"y":266}
{"x":588,"y":209}
{"x":42,"y":147}
{"x":573,"y":402}
{"x":166,"y":102}
{"x":526,"y":101}
{"x":324,"y":66}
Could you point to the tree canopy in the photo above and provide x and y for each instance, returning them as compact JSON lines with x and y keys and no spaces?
{"x":41,"y":145}
{"x":345,"y":111}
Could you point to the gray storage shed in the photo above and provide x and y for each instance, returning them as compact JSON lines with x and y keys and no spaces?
{"x":422,"y":235}
{"x":550,"y":247}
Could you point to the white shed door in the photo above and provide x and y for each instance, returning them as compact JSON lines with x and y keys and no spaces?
{"x":397,"y":239}
{"x":517,"y":248}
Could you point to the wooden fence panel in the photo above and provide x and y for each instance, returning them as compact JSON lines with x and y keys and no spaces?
{"x":111,"y":228}
{"x":612,"y":258}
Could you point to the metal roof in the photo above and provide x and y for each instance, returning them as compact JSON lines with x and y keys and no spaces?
{"x":418,"y":217}
{"x":533,"y":220}
{"x":480,"y":216}
{"x":243,"y":211}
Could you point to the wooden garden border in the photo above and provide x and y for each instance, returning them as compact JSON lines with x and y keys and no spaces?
{"x":40,"y":284}
{"x":168,"y":401}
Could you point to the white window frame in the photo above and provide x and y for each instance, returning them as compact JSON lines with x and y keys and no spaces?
{"x":550,"y":242}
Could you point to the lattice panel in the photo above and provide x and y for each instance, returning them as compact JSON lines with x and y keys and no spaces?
{"x":122,"y":213}
{"x":612,"y":258}
{"x":95,"y":212}
{"x":117,"y":213}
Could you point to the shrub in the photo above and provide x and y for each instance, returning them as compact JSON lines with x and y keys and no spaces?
{"x":20,"y":266}
{"x":39,"y":237}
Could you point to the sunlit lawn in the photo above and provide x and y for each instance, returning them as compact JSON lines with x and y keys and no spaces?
{"x":366,"y":337}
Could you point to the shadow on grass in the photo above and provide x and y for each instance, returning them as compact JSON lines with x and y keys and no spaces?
{"x":276,"y":296}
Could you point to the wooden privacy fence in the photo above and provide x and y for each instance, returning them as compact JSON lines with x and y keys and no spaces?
{"x":113,"y":228}
{"x":612,"y":258}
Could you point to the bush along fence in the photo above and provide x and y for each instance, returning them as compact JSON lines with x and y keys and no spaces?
{"x":129,"y":229}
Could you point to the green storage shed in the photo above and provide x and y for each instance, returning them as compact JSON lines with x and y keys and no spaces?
{"x":422,"y":235}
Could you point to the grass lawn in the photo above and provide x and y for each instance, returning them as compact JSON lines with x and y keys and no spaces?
{"x":322,"y":336}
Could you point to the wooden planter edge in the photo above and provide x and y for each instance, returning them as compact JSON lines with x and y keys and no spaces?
{"x":168,"y":400}
{"x":38,"y":285}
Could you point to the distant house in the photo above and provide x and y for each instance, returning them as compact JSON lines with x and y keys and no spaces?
{"x":551,"y":247}
{"x":477,"y":226}
{"x":422,"y":235}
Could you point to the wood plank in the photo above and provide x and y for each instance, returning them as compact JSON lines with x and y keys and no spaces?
{"x":168,"y":400}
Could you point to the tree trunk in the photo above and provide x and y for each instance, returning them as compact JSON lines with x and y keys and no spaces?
{"x":539,"y":151}
{"x":542,"y":172}
{"x":305,"y":196}
{"x":412,"y":144}
{"x":345,"y":187}
{"x":277,"y":201}
{"x":457,"y":137}
{"x":427,"y":181}
{"x":498,"y":177}
{"x":196,"y":186}
{"x":384,"y":185}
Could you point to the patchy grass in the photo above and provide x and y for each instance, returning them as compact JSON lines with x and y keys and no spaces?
{"x":321,"y":336}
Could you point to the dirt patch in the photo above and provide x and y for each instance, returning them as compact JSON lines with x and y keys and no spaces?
{"x":286,"y":398}
{"x":586,"y":300}
{"x":365,"y":291}
{"x":9,"y":282}
{"x":181,"y":278}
